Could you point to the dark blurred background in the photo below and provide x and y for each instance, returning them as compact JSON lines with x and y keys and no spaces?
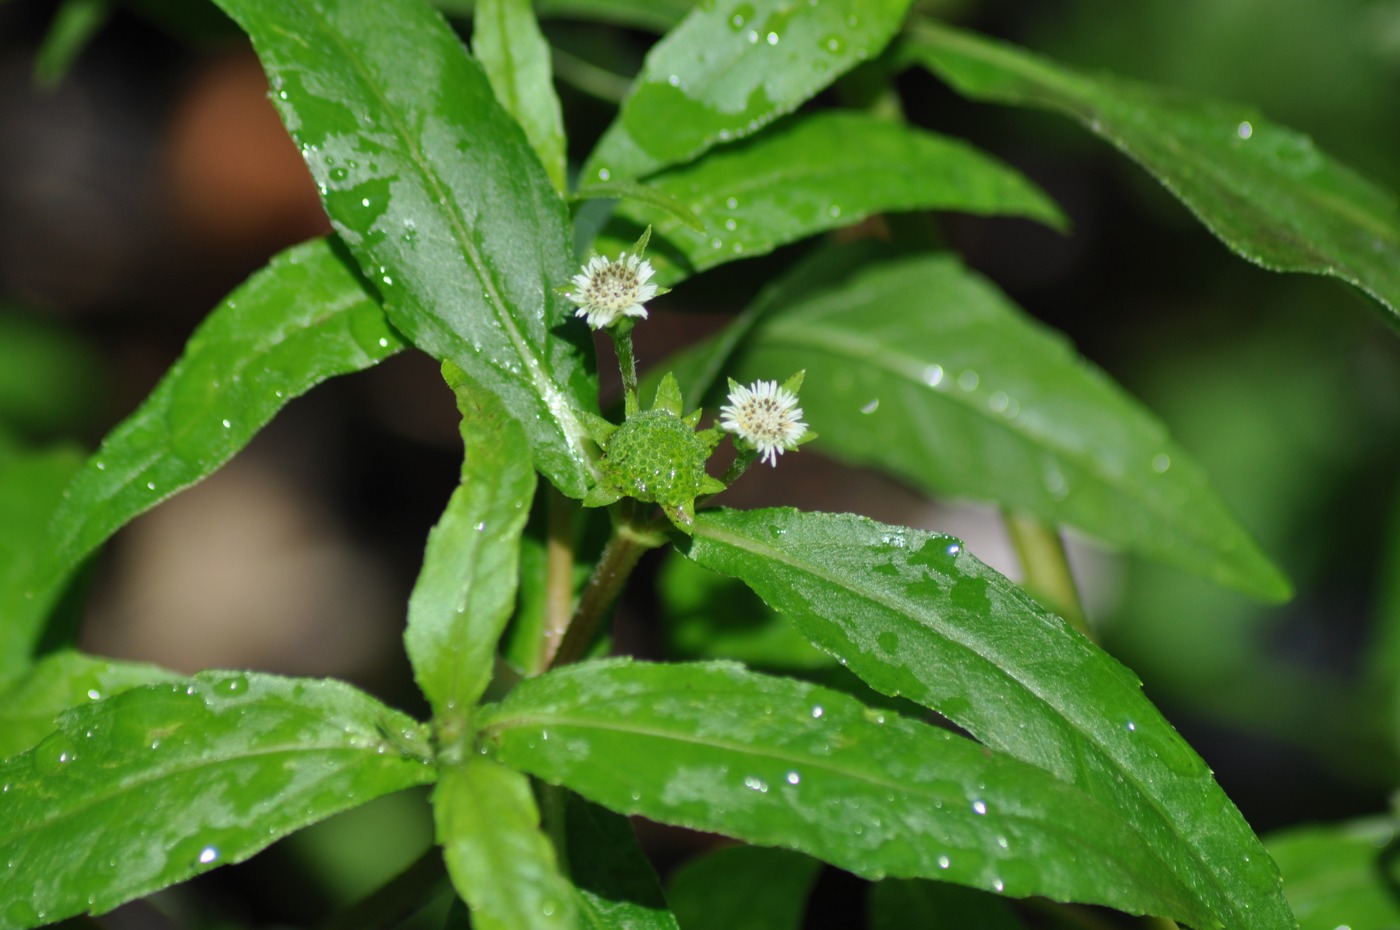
{"x":151,"y":178}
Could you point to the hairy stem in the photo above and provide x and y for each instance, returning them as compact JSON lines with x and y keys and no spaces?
{"x":559,"y":574}
{"x":627,"y":364}
{"x":628,"y":543}
{"x":1045,"y":567}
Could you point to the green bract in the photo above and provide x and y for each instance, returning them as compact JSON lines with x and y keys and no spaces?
{"x":657,"y":457}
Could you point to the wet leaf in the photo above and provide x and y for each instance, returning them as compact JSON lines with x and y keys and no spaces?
{"x":775,"y":761}
{"x":918,"y":366}
{"x":913,"y":614}
{"x":212,"y":769}
{"x":656,"y":15}
{"x":814,"y":173}
{"x":743,"y":888}
{"x":466,"y":589}
{"x":1265,"y":190}
{"x":30,"y":706}
{"x":730,"y":68}
{"x":507,"y":41}
{"x":435,"y":190}
{"x":304,"y":318}
{"x":500,"y":862}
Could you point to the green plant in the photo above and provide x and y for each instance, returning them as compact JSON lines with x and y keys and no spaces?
{"x":446,"y":178}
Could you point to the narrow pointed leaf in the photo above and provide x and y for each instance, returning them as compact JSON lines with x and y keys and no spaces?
{"x":728,"y":70}
{"x":31,"y":490}
{"x":918,"y":366}
{"x":821,"y":172}
{"x":500,"y":862}
{"x":743,"y":888}
{"x":30,"y":707}
{"x":306,"y":317}
{"x":914,"y":615}
{"x":159,"y":783}
{"x":656,"y":15}
{"x":72,"y":29}
{"x":898,"y":904}
{"x":775,"y":761}
{"x":1342,"y":875}
{"x":466,"y":589}
{"x":615,"y":885}
{"x":436,"y":191}
{"x":1265,"y":190}
{"x":507,"y":41}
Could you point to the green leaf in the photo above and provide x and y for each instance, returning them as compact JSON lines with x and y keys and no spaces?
{"x":613,"y":880}
{"x":436,"y":191}
{"x":915,"y":615}
{"x":507,"y":41}
{"x":743,"y":888}
{"x":655,"y":201}
{"x":656,"y":15}
{"x":31,"y":490}
{"x":775,"y":761}
{"x":466,"y":590}
{"x":820,"y":172}
{"x":918,"y":366}
{"x":728,"y":70}
{"x":1340,"y":876}
{"x":304,"y":318}
{"x":898,"y":904}
{"x":1265,"y":190}
{"x":29,"y":708}
{"x":500,"y":862}
{"x":159,"y":783}
{"x":73,"y":27}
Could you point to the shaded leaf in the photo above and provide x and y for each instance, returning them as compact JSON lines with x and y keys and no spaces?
{"x":436,"y":191}
{"x":898,"y":904}
{"x":305,"y":317}
{"x":613,"y":879}
{"x":728,"y":70}
{"x":31,"y":490}
{"x":919,"y":366}
{"x":500,"y":862}
{"x":656,"y":15}
{"x":48,"y":378}
{"x":774,"y":761}
{"x":915,"y":615}
{"x":212,"y":770}
{"x":819,"y":172}
{"x":466,"y":589}
{"x":743,"y":888}
{"x":508,"y":43}
{"x":29,"y":708}
{"x":1345,"y":875}
{"x":1265,"y":190}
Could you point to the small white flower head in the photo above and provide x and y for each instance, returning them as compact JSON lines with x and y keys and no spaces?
{"x":606,"y":290}
{"x":765,"y":416}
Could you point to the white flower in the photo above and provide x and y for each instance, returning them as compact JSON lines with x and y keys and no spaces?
{"x":764,"y":415}
{"x":606,"y":291}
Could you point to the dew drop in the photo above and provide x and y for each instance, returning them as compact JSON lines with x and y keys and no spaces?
{"x":1161,"y":462}
{"x":793,"y":778}
{"x":817,"y":712}
{"x":1002,"y":842}
{"x":101,"y":466}
{"x":756,"y":784}
{"x":732,"y":203}
{"x":208,"y":854}
{"x":944,"y":862}
{"x":998,"y":402}
{"x":150,"y":485}
{"x":94,"y":695}
{"x":730,"y":225}
{"x":772,"y":38}
{"x":1132,"y":727}
{"x":933,"y":375}
{"x":871,"y":407}
{"x":1245,"y":129}
{"x":998,"y":886}
{"x":833,"y":211}
{"x":979,"y":807}
{"x":969,"y":380}
{"x":228,"y":424}
{"x":604,"y":174}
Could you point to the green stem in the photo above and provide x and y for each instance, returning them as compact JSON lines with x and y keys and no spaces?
{"x":628,"y":543}
{"x":559,"y":575}
{"x":1045,"y":567}
{"x":400,"y":898}
{"x":627,"y":364}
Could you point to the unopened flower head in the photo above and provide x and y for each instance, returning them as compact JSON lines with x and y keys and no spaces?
{"x":607,"y":290}
{"x":765,"y":416}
